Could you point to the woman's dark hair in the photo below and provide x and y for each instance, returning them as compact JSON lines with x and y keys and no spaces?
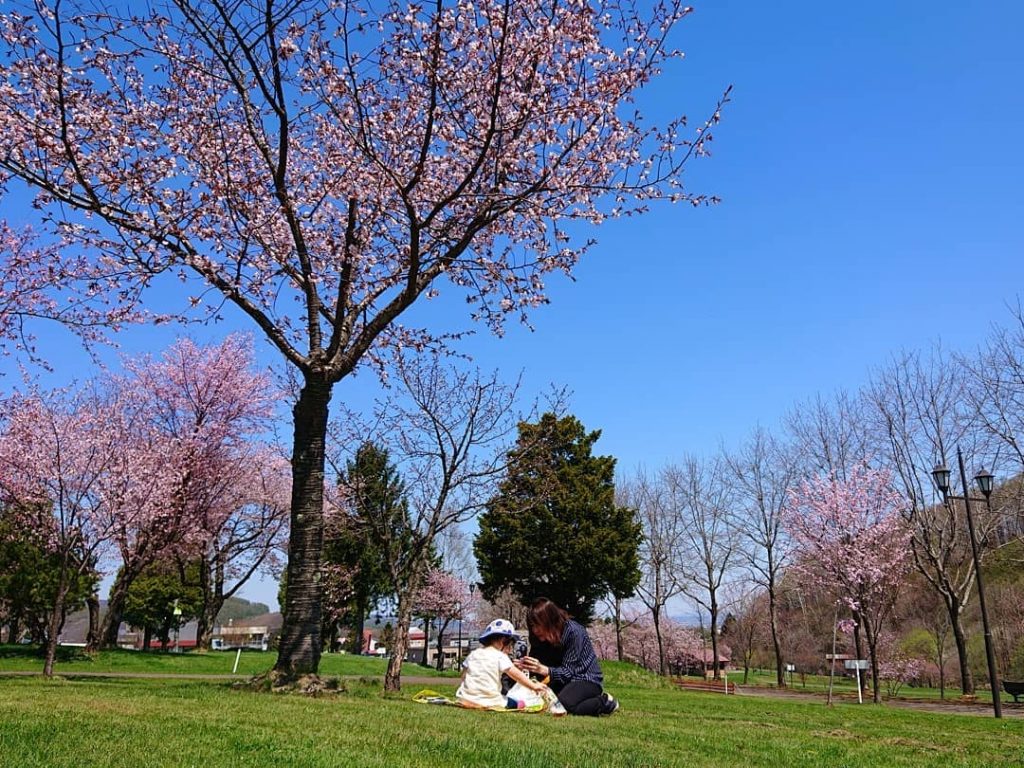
{"x":546,"y":621}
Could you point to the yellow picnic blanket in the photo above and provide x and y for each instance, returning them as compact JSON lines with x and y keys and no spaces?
{"x":427,"y":696}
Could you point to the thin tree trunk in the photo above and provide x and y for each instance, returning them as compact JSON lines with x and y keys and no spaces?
{"x":960,"y":639}
{"x":358,"y":627}
{"x":440,"y":645}
{"x":147,"y":639}
{"x":55,"y":623}
{"x":662,"y":661}
{"x":300,"y":644}
{"x":393,"y":677}
{"x":872,"y":636}
{"x":773,"y":621}
{"x":620,"y":651}
{"x":716,"y":672}
{"x":14,"y":630}
{"x":426,"y":642}
{"x":92,"y":639}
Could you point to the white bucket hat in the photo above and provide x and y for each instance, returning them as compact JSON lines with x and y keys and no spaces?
{"x":499,"y":627}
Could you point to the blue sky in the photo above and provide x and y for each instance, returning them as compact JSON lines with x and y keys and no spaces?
{"x":869,"y":167}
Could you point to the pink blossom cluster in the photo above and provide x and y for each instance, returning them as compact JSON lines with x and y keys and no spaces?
{"x":640,"y":642}
{"x":162,"y":458}
{"x":851,"y":536}
{"x":444,"y":596}
{"x":356,"y":154}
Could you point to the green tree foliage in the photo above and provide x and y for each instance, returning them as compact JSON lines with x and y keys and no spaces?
{"x":354,"y":544}
{"x":350,"y":544}
{"x":554,"y":528}
{"x":153,"y":596}
{"x":28,"y":584}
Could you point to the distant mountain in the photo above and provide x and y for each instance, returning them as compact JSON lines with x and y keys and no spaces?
{"x":239,"y":608}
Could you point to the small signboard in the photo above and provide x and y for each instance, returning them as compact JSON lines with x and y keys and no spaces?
{"x":791,"y":667}
{"x":857,"y":664}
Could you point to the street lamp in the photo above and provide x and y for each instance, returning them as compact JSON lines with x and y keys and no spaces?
{"x":984,"y":480}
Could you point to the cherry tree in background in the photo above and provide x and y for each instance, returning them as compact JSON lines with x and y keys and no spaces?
{"x":852,"y":540}
{"x":320,"y":168}
{"x":444,"y":597}
{"x":244,"y":529}
{"x":57,"y":453}
{"x":186,"y":420}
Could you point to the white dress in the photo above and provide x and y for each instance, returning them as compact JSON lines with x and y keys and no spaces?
{"x":482,"y":683}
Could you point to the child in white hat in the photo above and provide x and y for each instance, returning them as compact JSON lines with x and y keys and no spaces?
{"x":483,"y":668}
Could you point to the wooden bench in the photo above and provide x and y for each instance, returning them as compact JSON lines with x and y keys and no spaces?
{"x":708,"y":686}
{"x":1014,"y":689}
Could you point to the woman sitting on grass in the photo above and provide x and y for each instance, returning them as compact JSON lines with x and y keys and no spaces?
{"x":483,"y":668}
{"x":562,"y":654}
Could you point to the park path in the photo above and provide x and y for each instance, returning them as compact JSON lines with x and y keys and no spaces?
{"x":955,"y":707}
{"x":410,"y":679}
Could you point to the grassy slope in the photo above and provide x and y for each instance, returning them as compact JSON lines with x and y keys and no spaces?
{"x":166,"y":723}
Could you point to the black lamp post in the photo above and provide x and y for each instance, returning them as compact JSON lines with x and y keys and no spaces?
{"x":984,"y":480}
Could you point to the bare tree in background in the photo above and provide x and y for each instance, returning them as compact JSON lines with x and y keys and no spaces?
{"x":828,"y":435}
{"x":447,"y":435}
{"x":658,"y":504}
{"x":708,"y":544}
{"x":919,"y":412}
{"x":763,"y":472}
{"x":996,"y":392}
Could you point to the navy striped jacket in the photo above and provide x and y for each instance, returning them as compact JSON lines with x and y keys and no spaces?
{"x":574,"y":659}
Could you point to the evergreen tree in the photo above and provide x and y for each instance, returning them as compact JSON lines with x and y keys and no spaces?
{"x":554,"y":528}
{"x":377,"y":494}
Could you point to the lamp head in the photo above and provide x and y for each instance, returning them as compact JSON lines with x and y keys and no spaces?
{"x":941,"y":476}
{"x":984,"y":480}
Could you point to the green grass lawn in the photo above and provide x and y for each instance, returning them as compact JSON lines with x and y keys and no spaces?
{"x":119,"y":722}
{"x":70,"y":660}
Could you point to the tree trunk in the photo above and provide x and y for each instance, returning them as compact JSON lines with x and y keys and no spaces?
{"x":92,"y":639}
{"x":14,"y":630}
{"x":440,"y":645}
{"x":393,"y":677}
{"x":872,"y":637}
{"x":960,"y":639}
{"x":716,"y":673}
{"x":115,"y":610}
{"x":619,"y":649}
{"x":358,"y":626}
{"x":55,"y":623}
{"x":746,"y":671}
{"x":426,"y":642}
{"x":773,"y":621}
{"x":300,"y":644}
{"x":662,"y":661}
{"x":211,"y":607}
{"x":147,"y":638}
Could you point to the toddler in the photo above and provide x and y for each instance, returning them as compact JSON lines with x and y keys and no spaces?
{"x":483,"y":668}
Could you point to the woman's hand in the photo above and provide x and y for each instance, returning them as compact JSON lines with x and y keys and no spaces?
{"x":530,"y":664}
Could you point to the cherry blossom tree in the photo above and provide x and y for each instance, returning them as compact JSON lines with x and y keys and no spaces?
{"x":318,"y":169}
{"x":443,"y":597}
{"x":853,"y":541}
{"x":244,"y":529}
{"x":187,"y":464}
{"x":57,"y":456}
